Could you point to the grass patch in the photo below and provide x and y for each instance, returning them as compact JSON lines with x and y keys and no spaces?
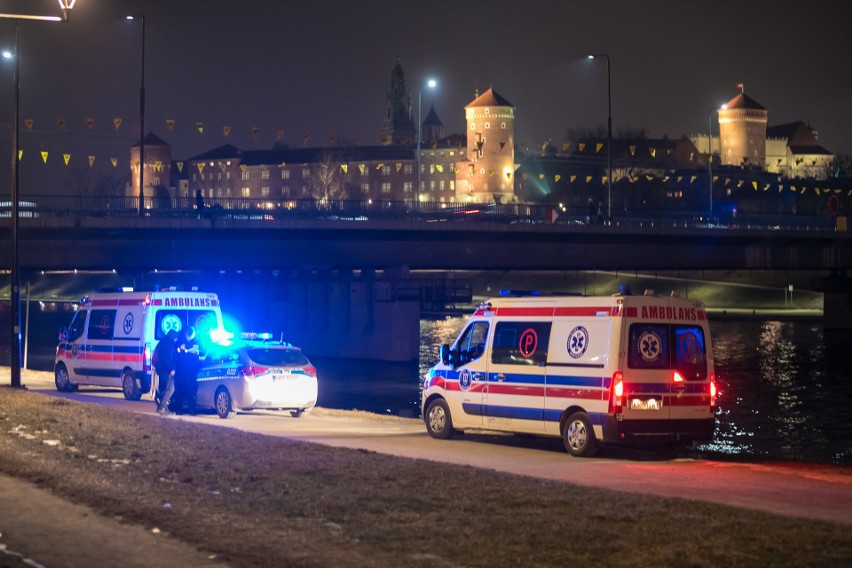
{"x":261,"y":501}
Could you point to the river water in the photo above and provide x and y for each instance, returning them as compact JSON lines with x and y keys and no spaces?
{"x":785,"y":387}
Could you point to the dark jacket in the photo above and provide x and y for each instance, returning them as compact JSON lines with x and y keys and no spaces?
{"x":165,"y":356}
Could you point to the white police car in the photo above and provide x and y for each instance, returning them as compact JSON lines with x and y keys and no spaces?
{"x":256,"y":373}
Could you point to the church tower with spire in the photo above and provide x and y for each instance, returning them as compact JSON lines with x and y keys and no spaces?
{"x":488,"y":173}
{"x":398,"y":127}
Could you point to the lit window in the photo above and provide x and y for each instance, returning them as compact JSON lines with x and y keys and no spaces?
{"x":386,"y":170}
{"x":386,"y":187}
{"x":364,"y":169}
{"x":408,"y":187}
{"x":306,"y":172}
{"x":432,"y":186}
{"x":365,"y":188}
{"x":264,"y":174}
{"x":202,"y":177}
{"x":227,"y":175}
{"x":431,"y":168}
{"x":452,"y":185}
{"x":194,"y":179}
{"x":441,"y":185}
{"x":219,"y":176}
{"x":264,"y":191}
{"x":246,"y":192}
{"x":285,"y":174}
{"x":408,"y":169}
{"x":245,"y":176}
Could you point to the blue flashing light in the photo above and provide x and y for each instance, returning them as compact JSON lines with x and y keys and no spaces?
{"x":519,"y":293}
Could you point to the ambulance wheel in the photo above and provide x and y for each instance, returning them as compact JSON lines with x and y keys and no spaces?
{"x":129,"y":387}
{"x":579,"y":436}
{"x":301,"y":412}
{"x":439,"y":423}
{"x":61,"y":379}
{"x":224,"y":404}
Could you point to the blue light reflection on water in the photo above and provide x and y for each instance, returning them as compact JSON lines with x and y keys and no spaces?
{"x":785,"y":387}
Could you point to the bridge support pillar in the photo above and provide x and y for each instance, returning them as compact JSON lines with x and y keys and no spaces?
{"x":837,"y":301}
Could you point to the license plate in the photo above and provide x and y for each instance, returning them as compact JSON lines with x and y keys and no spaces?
{"x":646,"y":404}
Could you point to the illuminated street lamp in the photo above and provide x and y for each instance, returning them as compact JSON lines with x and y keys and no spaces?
{"x":141,"y":121}
{"x":14,"y":276}
{"x":710,"y":149}
{"x":608,"y":133}
{"x":430,"y":83}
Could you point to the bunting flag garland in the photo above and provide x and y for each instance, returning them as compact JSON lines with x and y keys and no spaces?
{"x":200,"y":127}
{"x":242,"y":168}
{"x":456,"y":171}
{"x":816,"y":189}
{"x":114,"y":161}
{"x":91,"y":161}
{"x":556,"y":178}
{"x":170,"y":124}
{"x":572,"y":178}
{"x":679,"y":179}
{"x":565,"y":147}
{"x":633,"y":149}
{"x":226,"y":130}
{"x":438,"y":167}
{"x":116,"y":122}
{"x":508,"y":175}
{"x":727,"y":181}
{"x":223,"y":166}
{"x":90,"y":123}
{"x":200,"y":166}
{"x":603,"y":179}
{"x":380,"y":166}
{"x":490,"y":173}
{"x":582,"y":147}
{"x":692,"y":179}
{"x":740,"y":183}
{"x":588,"y":179}
{"x":361,"y":168}
{"x":651,"y":178}
{"x":158,"y":166}
{"x":344,"y":168}
{"x":44,"y":157}
{"x":780,"y":187}
{"x":540,"y":176}
{"x":766,"y":188}
{"x":67,"y":158}
{"x":501,"y":145}
{"x":598,"y":147}
{"x":653,"y":152}
{"x":524,"y":176}
{"x":20,"y":155}
{"x":179,"y":166}
{"x":754,"y":184}
{"x":28,"y":122}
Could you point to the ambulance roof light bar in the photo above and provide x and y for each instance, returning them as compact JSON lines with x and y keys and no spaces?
{"x":519,"y":293}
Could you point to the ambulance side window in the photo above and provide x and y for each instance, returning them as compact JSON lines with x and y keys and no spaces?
{"x":75,"y":330}
{"x":648,"y":346}
{"x":101,"y":324}
{"x":471,"y":344}
{"x":520,"y":343}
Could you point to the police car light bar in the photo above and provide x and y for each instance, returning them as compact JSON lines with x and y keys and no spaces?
{"x":250,"y":335}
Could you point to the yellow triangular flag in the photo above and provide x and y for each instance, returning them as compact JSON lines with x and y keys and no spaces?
{"x":399,"y":167}
{"x":20,"y":155}
{"x":740,"y":183}
{"x":603,"y":179}
{"x":540,"y":176}
{"x":715,"y":178}
{"x":380,"y":166}
{"x":653,"y":152}
{"x":598,"y":147}
{"x":679,"y":179}
{"x":44,"y":157}
{"x":582,"y":147}
{"x":114,"y":161}
{"x":226,"y":130}
{"x":116,"y":122}
{"x":158,"y":166}
{"x":588,"y":179}
{"x":361,"y":168}
{"x":766,"y":188}
{"x":692,"y":179}
{"x":438,"y":167}
{"x":200,"y":166}
{"x":572,"y":178}
{"x":67,"y":158}
{"x":556,"y":178}
{"x":170,"y":124}
{"x":344,"y":168}
{"x":243,"y":167}
{"x":90,"y":123}
{"x":565,"y":147}
{"x":200,"y":127}
{"x":29,"y":123}
{"x":632,"y":149}
{"x":91,"y":161}
{"x":180,"y":166}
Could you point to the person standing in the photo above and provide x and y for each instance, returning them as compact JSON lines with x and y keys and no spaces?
{"x":186,"y":371}
{"x":164,"y":362}
{"x":199,"y":203}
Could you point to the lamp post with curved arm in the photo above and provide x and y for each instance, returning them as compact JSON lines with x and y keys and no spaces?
{"x":430,"y":83}
{"x":141,"y":18}
{"x":608,"y":133}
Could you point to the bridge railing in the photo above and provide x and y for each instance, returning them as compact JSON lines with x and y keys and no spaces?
{"x":264,"y":209}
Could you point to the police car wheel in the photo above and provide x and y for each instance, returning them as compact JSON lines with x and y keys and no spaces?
{"x":439,"y":423}
{"x":579,"y":436}
{"x":61,"y":379}
{"x":129,"y":387}
{"x":224,"y":404}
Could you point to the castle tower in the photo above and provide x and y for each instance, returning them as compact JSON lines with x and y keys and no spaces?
{"x":398,"y":127}
{"x":158,"y":166}
{"x":432,"y":128}
{"x":742,"y":131}
{"x":487,"y":175}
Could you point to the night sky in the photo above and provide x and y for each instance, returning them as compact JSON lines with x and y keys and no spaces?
{"x":323,"y":67}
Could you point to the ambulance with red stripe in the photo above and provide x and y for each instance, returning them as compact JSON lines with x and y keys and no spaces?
{"x":112,"y":336}
{"x":591,"y":370}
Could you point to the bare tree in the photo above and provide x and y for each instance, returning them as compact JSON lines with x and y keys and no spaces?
{"x":328,"y":181}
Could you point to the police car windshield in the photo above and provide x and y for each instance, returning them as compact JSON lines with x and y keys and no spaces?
{"x":280,"y":357}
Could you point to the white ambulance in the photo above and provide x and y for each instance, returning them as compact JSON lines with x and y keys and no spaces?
{"x":592,"y":370}
{"x":112,"y":336}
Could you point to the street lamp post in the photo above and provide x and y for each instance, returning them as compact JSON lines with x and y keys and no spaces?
{"x":14,"y":272}
{"x":710,"y":150}
{"x":608,"y":133}
{"x":431,"y":83}
{"x":141,"y":121}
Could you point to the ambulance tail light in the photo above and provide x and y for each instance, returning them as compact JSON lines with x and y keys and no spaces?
{"x":616,"y":393}
{"x":146,"y":363}
{"x":310,"y":370}
{"x":713,"y":391}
